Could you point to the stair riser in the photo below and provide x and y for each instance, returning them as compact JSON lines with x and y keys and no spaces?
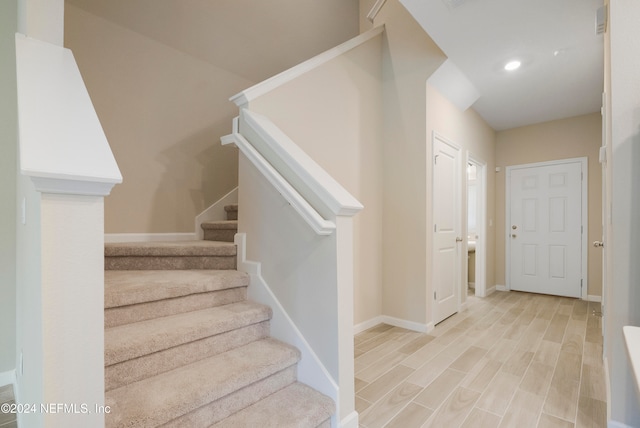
{"x":231,"y":211}
{"x":225,"y":235}
{"x":149,"y":310}
{"x":124,"y":373}
{"x":169,"y":263}
{"x":214,"y":412}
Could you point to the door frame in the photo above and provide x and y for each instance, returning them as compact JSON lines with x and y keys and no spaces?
{"x":606,"y":218}
{"x":461,"y":228}
{"x":584,"y":209}
{"x":481,"y":221}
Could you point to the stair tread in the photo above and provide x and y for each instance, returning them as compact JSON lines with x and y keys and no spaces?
{"x":171,"y":248}
{"x":297,"y":405}
{"x":128,"y":341}
{"x":123,"y":288}
{"x":220,"y":224}
{"x":161,"y":398}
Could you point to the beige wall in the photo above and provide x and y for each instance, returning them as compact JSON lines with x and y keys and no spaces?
{"x":574,"y":137}
{"x":376,"y":148}
{"x":163,"y":103}
{"x":409,"y":58}
{"x":364,"y":6}
{"x":478,"y":140}
{"x":334,"y":114}
{"x":413,"y":110}
{"x":8,"y":158}
{"x":163,"y":113}
{"x":254,"y":39}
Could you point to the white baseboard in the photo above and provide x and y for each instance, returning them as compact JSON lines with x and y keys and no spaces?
{"x":8,"y":378}
{"x":485,"y":293}
{"x":148,"y":237}
{"x":350,"y":421}
{"x":214,"y":212}
{"x":592,"y":298}
{"x":501,"y":287}
{"x":430,"y":326}
{"x":396,"y":322}
{"x":366,"y":325}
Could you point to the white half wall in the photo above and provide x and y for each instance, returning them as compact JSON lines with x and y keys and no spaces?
{"x":622,"y":301}
{"x":73,"y":307}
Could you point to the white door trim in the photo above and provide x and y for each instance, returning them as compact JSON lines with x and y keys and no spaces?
{"x":585,"y":216}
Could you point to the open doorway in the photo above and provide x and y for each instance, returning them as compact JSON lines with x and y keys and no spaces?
{"x":476,"y":227}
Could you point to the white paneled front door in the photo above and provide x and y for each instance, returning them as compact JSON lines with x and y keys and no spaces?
{"x":447,"y":228}
{"x":545,"y":228}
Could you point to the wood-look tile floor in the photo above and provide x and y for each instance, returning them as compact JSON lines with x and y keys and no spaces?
{"x":509,"y":360}
{"x":7,"y":420}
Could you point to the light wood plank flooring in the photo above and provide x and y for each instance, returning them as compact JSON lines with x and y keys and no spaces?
{"x":509,"y":360}
{"x":7,"y":420}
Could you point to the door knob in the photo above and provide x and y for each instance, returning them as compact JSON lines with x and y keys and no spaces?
{"x":514,"y":227}
{"x":458,"y":239}
{"x":598,"y":244}
{"x":513,"y":235}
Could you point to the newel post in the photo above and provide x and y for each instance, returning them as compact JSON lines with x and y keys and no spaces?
{"x":66,"y":168}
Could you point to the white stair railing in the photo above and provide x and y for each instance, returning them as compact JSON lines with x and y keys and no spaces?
{"x":306,"y":211}
{"x":296,"y":221}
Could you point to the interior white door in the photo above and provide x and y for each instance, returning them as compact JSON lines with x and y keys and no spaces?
{"x":545,"y":233}
{"x":447,"y":227}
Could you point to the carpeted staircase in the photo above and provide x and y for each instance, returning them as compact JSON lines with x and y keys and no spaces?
{"x":184,"y":348}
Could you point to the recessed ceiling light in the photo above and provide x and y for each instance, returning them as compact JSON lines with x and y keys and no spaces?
{"x":512,"y":65}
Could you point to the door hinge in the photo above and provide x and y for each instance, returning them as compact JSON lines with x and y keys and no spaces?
{"x":581,"y":283}
{"x":435,"y":227}
{"x":581,"y":230}
{"x":434,"y":295}
{"x":435,"y":159}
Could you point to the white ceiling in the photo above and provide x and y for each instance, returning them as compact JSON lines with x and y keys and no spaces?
{"x":562,"y":58}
